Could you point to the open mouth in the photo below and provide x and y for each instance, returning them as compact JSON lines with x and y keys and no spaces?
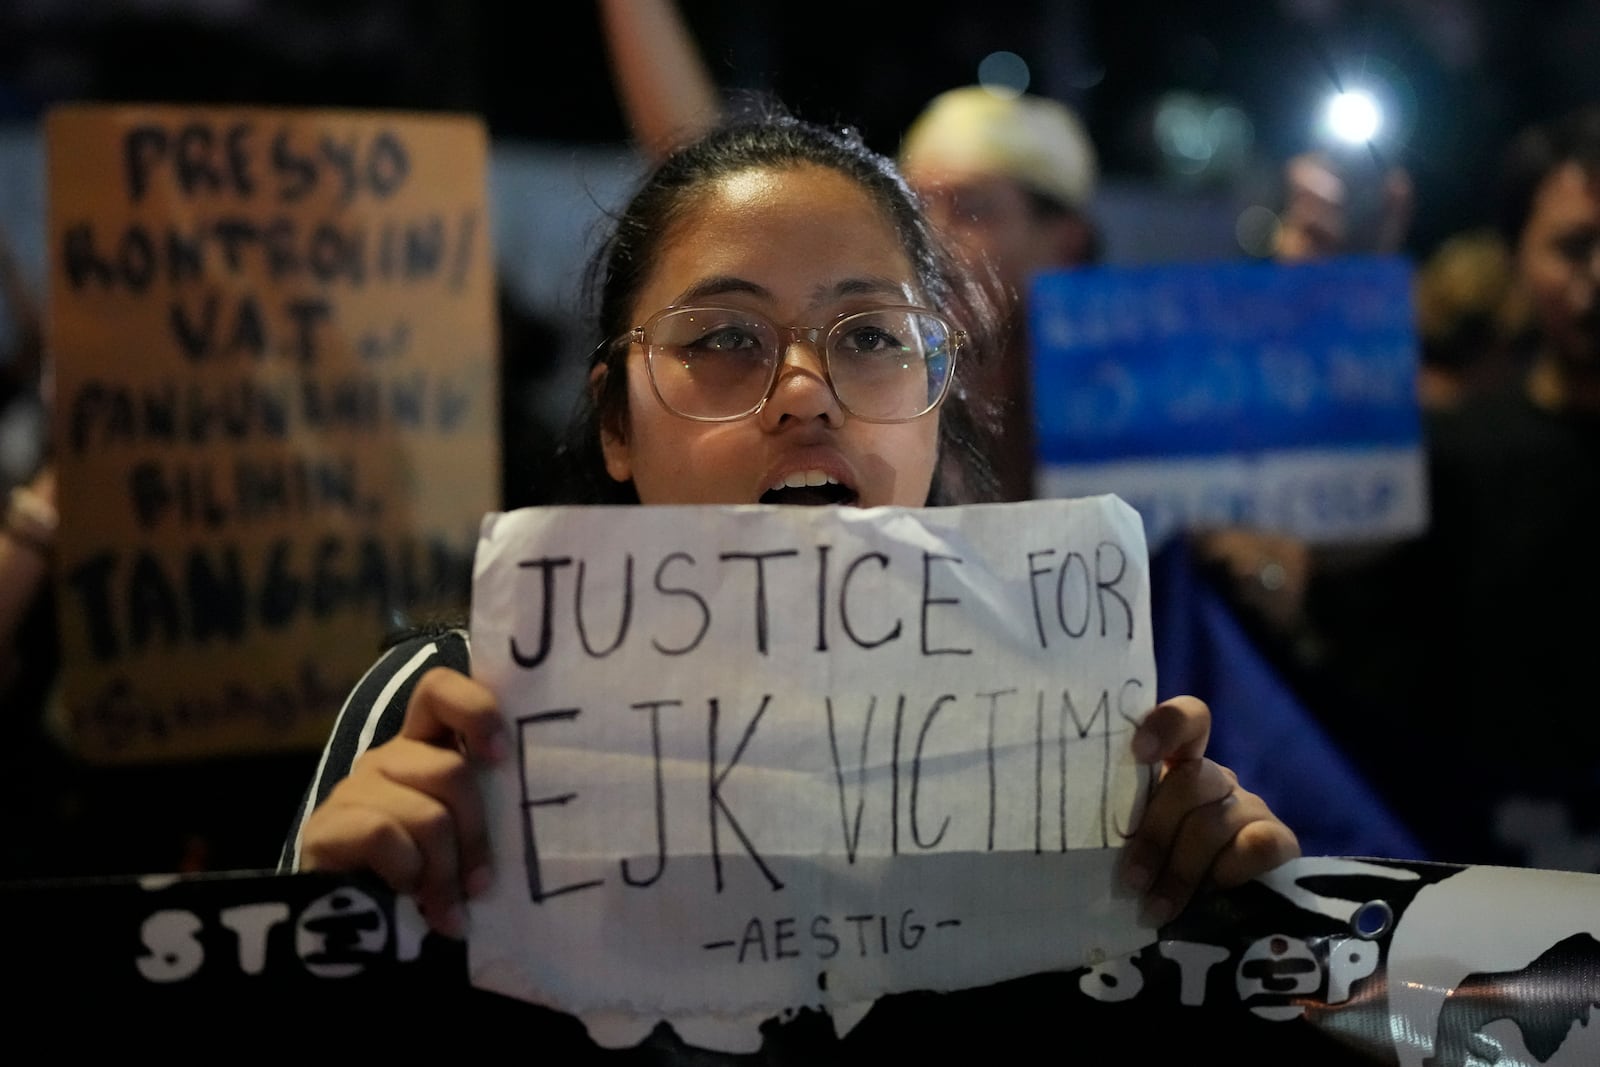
{"x":809,"y":489}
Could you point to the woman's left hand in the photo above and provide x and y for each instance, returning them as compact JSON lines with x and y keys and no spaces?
{"x":1200,"y":827}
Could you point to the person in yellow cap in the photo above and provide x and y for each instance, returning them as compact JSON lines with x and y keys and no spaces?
{"x":1008,"y":177}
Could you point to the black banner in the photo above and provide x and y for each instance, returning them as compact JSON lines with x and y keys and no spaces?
{"x":1326,"y":961}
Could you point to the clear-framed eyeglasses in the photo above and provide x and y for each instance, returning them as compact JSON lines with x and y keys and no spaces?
{"x":718,"y":364}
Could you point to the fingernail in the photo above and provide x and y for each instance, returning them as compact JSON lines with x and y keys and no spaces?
{"x":478,"y":880}
{"x":1155,"y":912}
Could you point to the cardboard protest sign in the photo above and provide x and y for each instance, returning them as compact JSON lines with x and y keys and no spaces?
{"x":275,"y":410}
{"x":769,"y":757}
{"x":1234,"y":394}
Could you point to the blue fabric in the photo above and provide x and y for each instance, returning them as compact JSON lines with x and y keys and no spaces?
{"x":1259,"y":727}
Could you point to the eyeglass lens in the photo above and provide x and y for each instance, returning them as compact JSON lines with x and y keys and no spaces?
{"x":889,"y":364}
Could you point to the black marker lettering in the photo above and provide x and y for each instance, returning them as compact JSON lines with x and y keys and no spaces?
{"x":80,"y":260}
{"x":1108,"y":586}
{"x":235,"y":235}
{"x":894,"y":777}
{"x":194,"y":160}
{"x":852,"y":831}
{"x":1038,"y":774}
{"x":655,"y":707}
{"x":249,"y":332}
{"x":1061,"y":595}
{"x":196,"y":337}
{"x":861,"y":935}
{"x":994,"y":707}
{"x":142,"y":146}
{"x":1102,"y":714}
{"x":184,"y":256}
{"x":753,"y":935}
{"x":342,"y":157}
{"x":1069,"y":710}
{"x":530,"y":848}
{"x":1133,"y":684}
{"x":147,"y":489}
{"x":1061,"y":766}
{"x":239,"y":156}
{"x":844,"y":603}
{"x":297,"y":173}
{"x":424,"y":248}
{"x":136,"y":259}
{"x":916,"y":775}
{"x":822,"y":933}
{"x":910,"y":932}
{"x":822,"y":598}
{"x":760,"y":559}
{"x":306,"y":315}
{"x":927,"y":601}
{"x":705,"y":610}
{"x":388,"y":164}
{"x":547,"y":569}
{"x":714,"y":790}
{"x":1033,"y":588}
{"x":152,"y":603}
{"x":783,"y":931}
{"x":626,"y":612}
{"x":217,"y":599}
{"x":327,"y":257}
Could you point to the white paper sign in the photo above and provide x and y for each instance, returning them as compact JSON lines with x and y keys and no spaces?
{"x":766,"y":757}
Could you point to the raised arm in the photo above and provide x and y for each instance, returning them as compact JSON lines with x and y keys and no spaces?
{"x":662,"y":82}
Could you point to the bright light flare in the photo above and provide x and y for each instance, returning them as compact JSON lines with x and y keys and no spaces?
{"x":1354,"y":117}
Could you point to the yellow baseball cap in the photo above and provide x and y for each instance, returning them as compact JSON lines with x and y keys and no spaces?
{"x":1032,"y":139}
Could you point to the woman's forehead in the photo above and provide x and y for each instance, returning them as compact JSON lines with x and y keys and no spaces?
{"x":792,"y":233}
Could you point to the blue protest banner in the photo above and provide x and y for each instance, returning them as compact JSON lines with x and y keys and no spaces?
{"x":1248,"y":393}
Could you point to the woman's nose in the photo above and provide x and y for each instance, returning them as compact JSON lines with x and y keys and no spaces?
{"x":802,"y":391}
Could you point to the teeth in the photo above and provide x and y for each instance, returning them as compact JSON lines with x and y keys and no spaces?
{"x":803,"y":479}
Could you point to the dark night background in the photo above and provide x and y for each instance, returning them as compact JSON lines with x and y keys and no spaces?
{"x":1471,"y":71}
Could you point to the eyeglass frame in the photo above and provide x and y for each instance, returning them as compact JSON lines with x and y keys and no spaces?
{"x":816,"y":336}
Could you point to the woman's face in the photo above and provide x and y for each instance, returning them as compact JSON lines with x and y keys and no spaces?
{"x":801,"y":246}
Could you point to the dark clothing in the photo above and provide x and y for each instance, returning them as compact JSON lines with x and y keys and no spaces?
{"x":1460,"y":667}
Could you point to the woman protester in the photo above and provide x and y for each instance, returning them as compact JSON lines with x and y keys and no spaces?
{"x":804,"y":250}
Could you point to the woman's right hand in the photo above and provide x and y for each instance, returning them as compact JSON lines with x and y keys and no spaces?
{"x":410,"y":810}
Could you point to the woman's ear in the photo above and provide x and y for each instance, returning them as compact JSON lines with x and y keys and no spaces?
{"x":613,"y":442}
